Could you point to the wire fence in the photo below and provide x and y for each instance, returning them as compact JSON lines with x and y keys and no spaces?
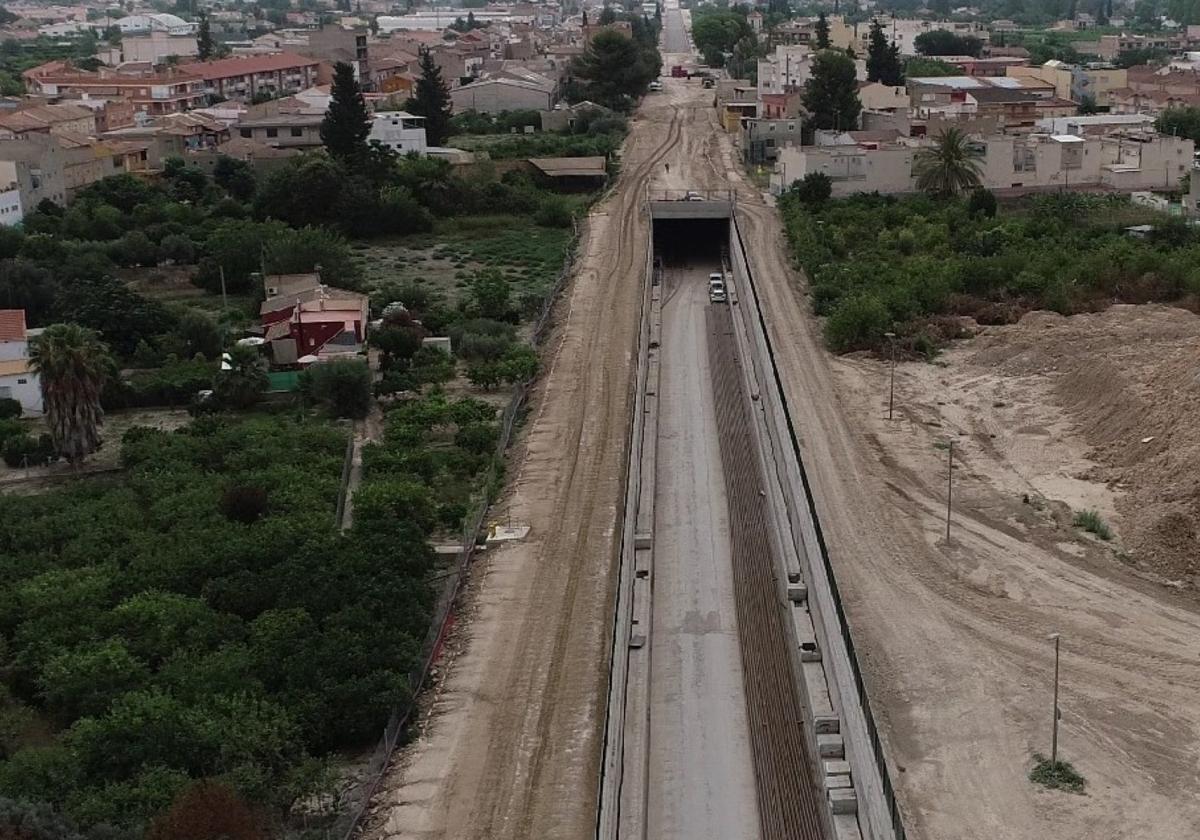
{"x":356,"y":802}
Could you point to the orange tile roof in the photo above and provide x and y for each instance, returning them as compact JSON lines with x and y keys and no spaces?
{"x":223,"y":68}
{"x":12,"y":324}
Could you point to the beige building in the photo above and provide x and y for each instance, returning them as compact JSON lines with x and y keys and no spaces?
{"x":1123,"y":161}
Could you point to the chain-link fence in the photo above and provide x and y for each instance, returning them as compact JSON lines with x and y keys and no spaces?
{"x":356,"y":802}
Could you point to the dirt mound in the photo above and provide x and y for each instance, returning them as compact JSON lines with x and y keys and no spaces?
{"x":1129,"y":378}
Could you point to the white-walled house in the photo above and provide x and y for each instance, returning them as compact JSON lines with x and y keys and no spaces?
{"x":399,"y":131}
{"x":17,"y":381}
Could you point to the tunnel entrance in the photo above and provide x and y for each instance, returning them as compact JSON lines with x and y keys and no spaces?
{"x":680,"y":243}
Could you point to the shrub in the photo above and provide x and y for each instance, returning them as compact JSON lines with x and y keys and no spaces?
{"x":135,"y":248}
{"x":10,"y":427}
{"x":477,"y":438}
{"x":9,"y":408}
{"x":26,"y":450}
{"x":813,"y":188}
{"x":519,"y":364}
{"x":429,"y":364}
{"x":982,"y":202}
{"x":482,"y":348}
{"x":858,"y":323}
{"x":1091,"y":521}
{"x":1058,"y":775}
{"x":491,"y":294}
{"x":553,"y":212}
{"x":342,"y":386}
{"x":177,"y":248}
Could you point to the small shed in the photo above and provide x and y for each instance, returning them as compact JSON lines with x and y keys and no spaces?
{"x":572,"y":173}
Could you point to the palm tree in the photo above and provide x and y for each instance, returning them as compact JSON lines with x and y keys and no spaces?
{"x":72,"y":364}
{"x":950,"y":167}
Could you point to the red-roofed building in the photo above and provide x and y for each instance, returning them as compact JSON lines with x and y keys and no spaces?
{"x":168,"y":92}
{"x":241,"y":77}
{"x":303,"y":318}
{"x":17,"y":379}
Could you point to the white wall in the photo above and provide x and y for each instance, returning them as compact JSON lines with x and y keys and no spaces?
{"x":25,"y":389}
{"x":389,"y":129}
{"x":11,"y":211}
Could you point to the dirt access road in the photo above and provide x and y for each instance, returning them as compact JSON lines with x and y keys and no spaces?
{"x":511,"y":748}
{"x":953,"y":637}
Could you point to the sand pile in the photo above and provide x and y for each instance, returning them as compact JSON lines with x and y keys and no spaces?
{"x":1129,"y":377}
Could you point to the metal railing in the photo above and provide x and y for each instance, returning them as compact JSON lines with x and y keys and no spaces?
{"x":689,"y":195}
{"x":356,"y":803}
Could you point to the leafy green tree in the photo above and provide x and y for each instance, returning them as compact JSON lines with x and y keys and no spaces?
{"x":831,"y":93}
{"x":492,"y":294}
{"x":813,"y":188}
{"x":235,"y":176}
{"x":613,"y":70}
{"x":342,"y":386}
{"x":950,"y":167}
{"x":204,"y":39}
{"x":1180,"y":122}
{"x":298,"y":251}
{"x":287,"y":192}
{"x":346,"y":125}
{"x":86,"y":679}
{"x":917,"y":68}
{"x":883,"y":59}
{"x":982,"y":202}
{"x":944,"y":42}
{"x":199,"y":334}
{"x":432,"y":101}
{"x":244,"y":383}
{"x":822,"y":32}
{"x":103,"y":303}
{"x":72,"y":365}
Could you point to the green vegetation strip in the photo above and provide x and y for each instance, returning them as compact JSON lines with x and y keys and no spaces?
{"x":911,"y":266}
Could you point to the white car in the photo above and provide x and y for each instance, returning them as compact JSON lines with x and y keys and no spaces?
{"x":716,"y":288}
{"x":656,"y":85}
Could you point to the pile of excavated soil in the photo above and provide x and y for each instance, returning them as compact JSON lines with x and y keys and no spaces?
{"x":1129,"y":378}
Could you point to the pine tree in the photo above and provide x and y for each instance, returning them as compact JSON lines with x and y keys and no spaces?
{"x":204,"y":39}
{"x":432,"y":101}
{"x":822,"y":32}
{"x":346,"y":125}
{"x":883,"y":59}
{"x":831,"y":92}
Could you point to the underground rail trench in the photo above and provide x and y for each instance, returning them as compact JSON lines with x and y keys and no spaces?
{"x":713,"y":722}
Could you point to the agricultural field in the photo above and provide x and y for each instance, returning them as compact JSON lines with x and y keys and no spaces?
{"x":444,"y":262}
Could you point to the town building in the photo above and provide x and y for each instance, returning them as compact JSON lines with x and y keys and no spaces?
{"x":167,"y":92}
{"x":243,"y":77}
{"x":761,"y":139}
{"x":494,"y":95}
{"x":904,"y":32}
{"x":18,"y":380}
{"x":399,"y":131}
{"x":305,"y":321}
{"x":31,"y":170}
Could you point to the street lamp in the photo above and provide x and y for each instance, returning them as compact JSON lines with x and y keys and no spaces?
{"x":891,"y":337}
{"x":1054,"y":736}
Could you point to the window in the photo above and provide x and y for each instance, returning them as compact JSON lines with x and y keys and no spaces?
{"x":22,"y":381}
{"x":272,"y":132}
{"x":245,"y":132}
{"x":297,"y":132}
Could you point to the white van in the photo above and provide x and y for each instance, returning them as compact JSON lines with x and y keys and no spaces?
{"x":716,"y":288}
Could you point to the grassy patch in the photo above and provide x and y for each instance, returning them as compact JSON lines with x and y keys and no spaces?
{"x":1056,"y":775}
{"x":527,"y":255}
{"x":1092,"y":522}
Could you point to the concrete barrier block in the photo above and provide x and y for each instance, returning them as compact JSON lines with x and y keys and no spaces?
{"x":838,"y":783}
{"x":797,"y":593}
{"x":831,"y":746}
{"x":827,"y":725}
{"x":643,"y":540}
{"x":809,"y":652}
{"x":836,"y":767}
{"x":843,"y":801}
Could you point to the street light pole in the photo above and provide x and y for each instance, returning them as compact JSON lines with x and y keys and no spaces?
{"x":1054,"y":730}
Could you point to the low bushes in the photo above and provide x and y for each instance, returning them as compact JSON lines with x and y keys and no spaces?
{"x":881,"y":264}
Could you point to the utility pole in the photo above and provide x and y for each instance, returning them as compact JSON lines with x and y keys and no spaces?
{"x":1054,"y":736}
{"x":891,"y":336}
{"x":949,"y":488}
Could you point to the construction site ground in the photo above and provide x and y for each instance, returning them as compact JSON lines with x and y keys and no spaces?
{"x":952,"y":637}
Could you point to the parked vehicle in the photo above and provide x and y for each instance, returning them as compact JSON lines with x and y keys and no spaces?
{"x":656,"y":85}
{"x":708,"y":82}
{"x":716,"y":288}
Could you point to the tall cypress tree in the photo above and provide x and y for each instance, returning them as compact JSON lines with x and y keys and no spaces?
{"x":204,"y":39}
{"x":346,"y":125}
{"x":822,"y":32}
{"x":432,"y":101}
{"x":883,"y":59}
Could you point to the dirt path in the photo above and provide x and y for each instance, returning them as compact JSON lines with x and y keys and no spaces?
{"x":512,"y":747}
{"x":953,"y":638}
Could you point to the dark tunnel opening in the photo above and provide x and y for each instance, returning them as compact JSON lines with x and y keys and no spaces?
{"x":680,"y":243}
